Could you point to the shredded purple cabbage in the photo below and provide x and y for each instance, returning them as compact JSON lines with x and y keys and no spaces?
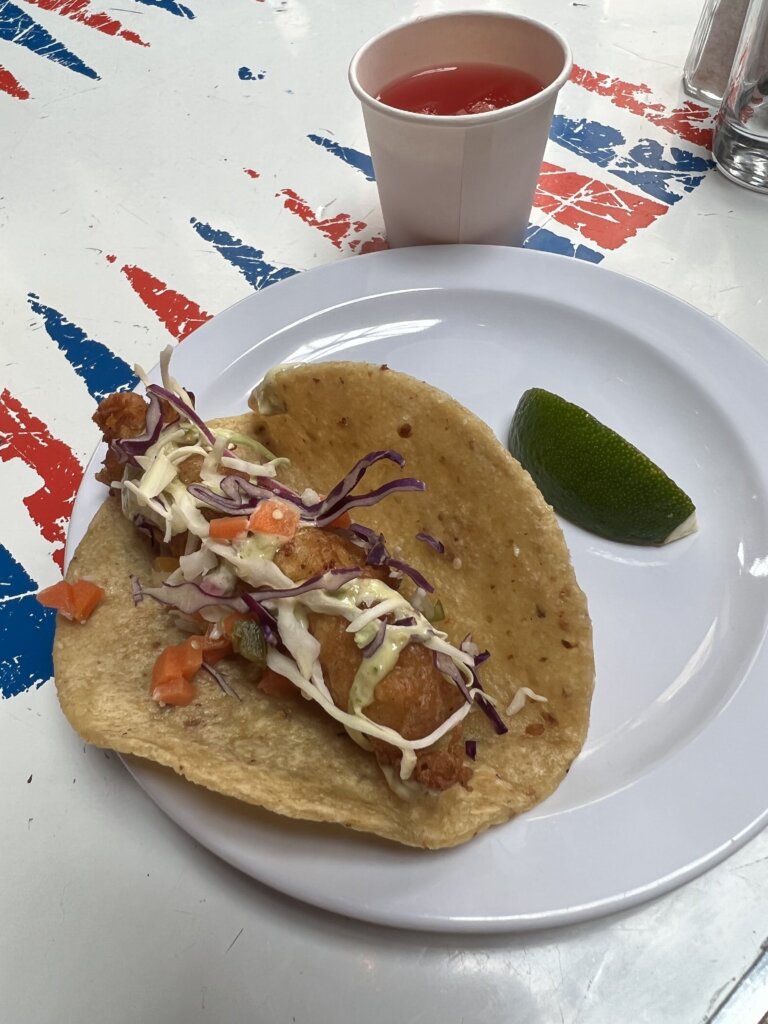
{"x":186,"y":597}
{"x":127,"y":448}
{"x":243,"y":496}
{"x":486,"y":706}
{"x":347,"y":484}
{"x":408,"y":570}
{"x":471,"y":749}
{"x":377,"y":552}
{"x":268,"y":623}
{"x":373,"y":645}
{"x":378,"y":555}
{"x":183,"y":409}
{"x":229,"y":506}
{"x":193,"y":597}
{"x":268,"y":488}
{"x":221,"y":681}
{"x":483,"y":703}
{"x":327,"y":516}
{"x":449,"y":668}
{"x":467,"y":645}
{"x":147,"y":527}
{"x":432,"y":541}
{"x":491,"y":714}
{"x":364,"y":533}
{"x":331,"y":580}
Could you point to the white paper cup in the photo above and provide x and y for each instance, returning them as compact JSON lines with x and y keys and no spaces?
{"x":467,"y":178}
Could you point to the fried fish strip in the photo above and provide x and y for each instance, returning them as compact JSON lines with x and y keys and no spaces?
{"x":414,"y":698}
{"x":121,"y":415}
{"x":124,"y":414}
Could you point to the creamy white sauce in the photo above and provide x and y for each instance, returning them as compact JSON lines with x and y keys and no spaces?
{"x":518,"y":701}
{"x":157,"y":492}
{"x":374,"y":668}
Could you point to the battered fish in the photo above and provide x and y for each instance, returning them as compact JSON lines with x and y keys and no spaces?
{"x":413,"y":698}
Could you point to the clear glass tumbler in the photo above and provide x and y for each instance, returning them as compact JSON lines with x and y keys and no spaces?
{"x":740,"y":146}
{"x":713,"y":48}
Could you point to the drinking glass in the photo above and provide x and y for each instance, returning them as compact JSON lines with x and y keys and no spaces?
{"x":709,"y":61}
{"x":740,"y":146}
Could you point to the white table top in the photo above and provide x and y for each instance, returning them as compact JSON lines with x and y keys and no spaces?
{"x":159,"y":163}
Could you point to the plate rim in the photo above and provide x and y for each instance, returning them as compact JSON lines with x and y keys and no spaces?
{"x":449,"y":257}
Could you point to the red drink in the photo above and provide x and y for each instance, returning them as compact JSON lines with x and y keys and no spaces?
{"x":463,"y":89}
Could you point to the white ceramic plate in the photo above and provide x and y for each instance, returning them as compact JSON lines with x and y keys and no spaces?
{"x":672,"y":777}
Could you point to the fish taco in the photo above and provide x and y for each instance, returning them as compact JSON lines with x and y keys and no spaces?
{"x":290,"y":620}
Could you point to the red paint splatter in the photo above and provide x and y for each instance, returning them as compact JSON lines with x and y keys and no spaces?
{"x":78,"y":10}
{"x":601,"y":212}
{"x":335,"y":229}
{"x":691,"y":122}
{"x":251,"y":173}
{"x":375,"y":244}
{"x":23,"y":436}
{"x":9,"y":84}
{"x":111,"y":259}
{"x":180,"y":315}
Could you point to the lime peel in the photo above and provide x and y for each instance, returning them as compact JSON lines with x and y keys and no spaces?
{"x":593,"y":476}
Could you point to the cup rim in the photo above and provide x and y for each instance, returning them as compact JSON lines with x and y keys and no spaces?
{"x":461,"y":120}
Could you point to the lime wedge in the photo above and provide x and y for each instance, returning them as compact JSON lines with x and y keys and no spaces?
{"x":592,"y":476}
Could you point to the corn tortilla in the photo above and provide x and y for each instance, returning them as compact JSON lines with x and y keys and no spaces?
{"x":506,"y":578}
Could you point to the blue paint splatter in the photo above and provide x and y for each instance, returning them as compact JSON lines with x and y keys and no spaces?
{"x":684,"y":168}
{"x":171,"y":6}
{"x":544,"y":240}
{"x":662,"y":172}
{"x":26,"y":630}
{"x":102,"y":371}
{"x":360,"y":161}
{"x":17,"y":27}
{"x":246,"y":75}
{"x":249,"y":261}
{"x":596,"y":142}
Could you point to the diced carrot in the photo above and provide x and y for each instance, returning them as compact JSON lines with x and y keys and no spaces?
{"x":59,"y":596}
{"x":213,"y":654}
{"x":173,"y":671}
{"x":177,"y":660}
{"x":86,"y":596}
{"x":341,"y":522}
{"x":276,"y":686}
{"x":176,"y":690}
{"x":76,"y":601}
{"x":213,"y":650}
{"x":228,"y":527}
{"x":277,"y":518}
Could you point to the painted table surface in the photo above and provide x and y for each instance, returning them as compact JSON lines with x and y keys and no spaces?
{"x":159,"y":161}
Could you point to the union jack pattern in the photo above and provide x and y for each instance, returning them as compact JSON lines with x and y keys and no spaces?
{"x":620,"y":158}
